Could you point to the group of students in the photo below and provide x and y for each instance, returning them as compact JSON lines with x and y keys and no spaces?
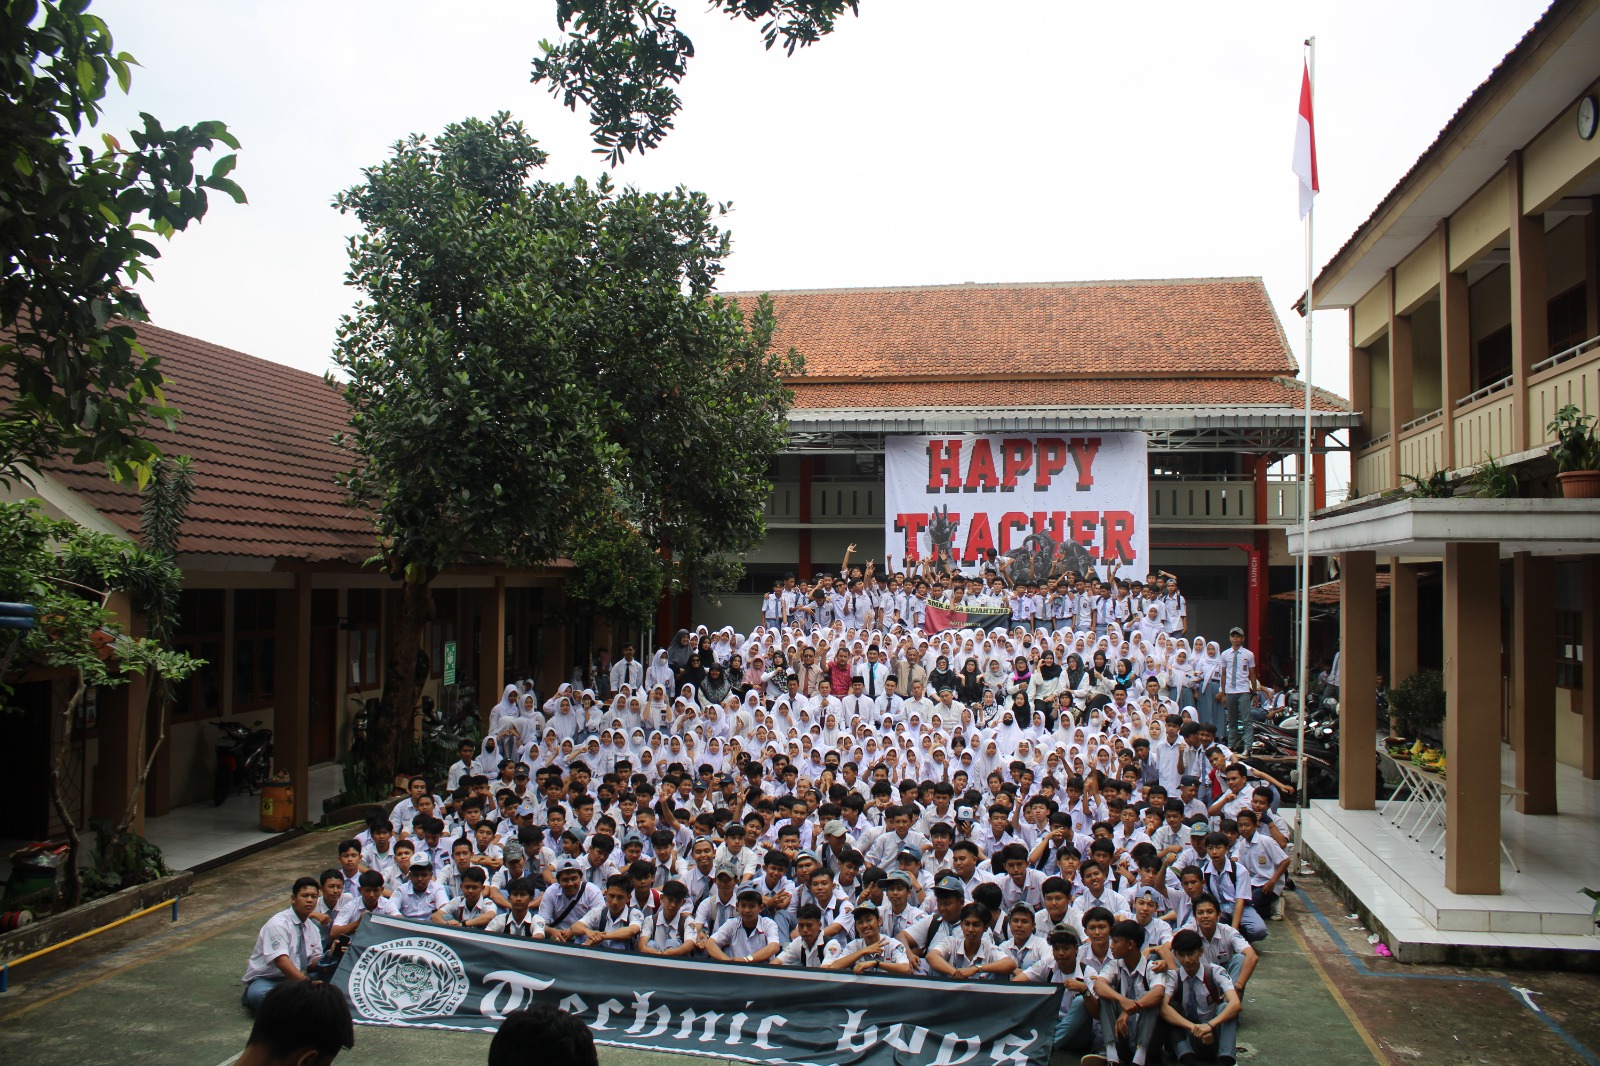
{"x":1083,"y":826}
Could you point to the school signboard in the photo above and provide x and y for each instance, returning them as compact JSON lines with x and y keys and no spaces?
{"x":1048,"y":503}
{"x":410,"y":974}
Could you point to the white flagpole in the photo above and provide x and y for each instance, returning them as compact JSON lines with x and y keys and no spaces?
{"x":1305,"y":499}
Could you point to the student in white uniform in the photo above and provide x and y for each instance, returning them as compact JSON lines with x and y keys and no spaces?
{"x":749,"y":938}
{"x":668,"y":931}
{"x":1129,"y":987}
{"x":288,"y":946}
{"x":971,"y":954}
{"x":1202,"y":1006}
{"x":871,"y":951}
{"x":615,"y":923}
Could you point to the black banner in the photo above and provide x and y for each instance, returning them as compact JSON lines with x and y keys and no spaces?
{"x":406,"y":973}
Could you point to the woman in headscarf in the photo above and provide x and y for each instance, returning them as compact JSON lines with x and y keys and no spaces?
{"x":1208,"y":683}
{"x":1045,"y":687}
{"x":716,"y":687}
{"x":506,"y":708}
{"x":722,"y":645}
{"x":970,"y":688}
{"x":942,"y":676}
{"x":488,"y":761}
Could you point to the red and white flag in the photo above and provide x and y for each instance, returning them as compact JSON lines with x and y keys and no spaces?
{"x":1305,"y":145}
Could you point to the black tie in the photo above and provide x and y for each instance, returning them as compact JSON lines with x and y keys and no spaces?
{"x":872,"y":681}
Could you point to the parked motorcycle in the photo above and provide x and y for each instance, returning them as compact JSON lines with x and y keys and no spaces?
{"x":244,"y":760}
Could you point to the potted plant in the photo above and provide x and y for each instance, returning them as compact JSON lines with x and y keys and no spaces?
{"x":1418,"y":702}
{"x":1576,"y":452}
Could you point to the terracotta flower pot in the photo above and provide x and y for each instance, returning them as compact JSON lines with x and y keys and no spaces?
{"x":1580,"y":484}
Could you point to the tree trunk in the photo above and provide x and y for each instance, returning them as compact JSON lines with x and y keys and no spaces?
{"x":156,"y":693}
{"x":74,"y":890}
{"x":395,"y":724}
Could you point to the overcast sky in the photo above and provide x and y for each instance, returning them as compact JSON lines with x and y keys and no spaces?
{"x":927,"y":142}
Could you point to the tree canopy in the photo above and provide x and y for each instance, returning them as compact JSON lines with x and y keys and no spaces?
{"x":541,"y":370}
{"x":75,"y":229}
{"x":624,"y":58}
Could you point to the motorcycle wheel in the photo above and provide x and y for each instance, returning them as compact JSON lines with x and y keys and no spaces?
{"x":220,"y":787}
{"x":258,"y":776}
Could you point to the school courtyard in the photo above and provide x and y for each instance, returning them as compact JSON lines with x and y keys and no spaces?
{"x":155,"y":991}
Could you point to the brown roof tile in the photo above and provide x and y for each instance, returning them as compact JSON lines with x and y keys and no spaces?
{"x":1190,"y":327}
{"x":261,"y":438}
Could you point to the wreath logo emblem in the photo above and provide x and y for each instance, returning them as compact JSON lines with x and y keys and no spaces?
{"x":408,"y":980}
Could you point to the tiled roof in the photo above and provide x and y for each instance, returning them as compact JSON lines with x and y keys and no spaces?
{"x":1090,"y":392}
{"x":1159,"y":328}
{"x":260,"y":437}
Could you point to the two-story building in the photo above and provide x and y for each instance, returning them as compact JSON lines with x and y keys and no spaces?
{"x":1473,"y":293}
{"x":1200,"y":366}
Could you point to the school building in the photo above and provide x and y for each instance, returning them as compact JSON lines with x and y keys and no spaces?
{"x":1473,"y":294}
{"x":1199,"y":365}
{"x":277,"y":599}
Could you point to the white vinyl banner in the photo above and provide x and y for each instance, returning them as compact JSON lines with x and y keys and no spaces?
{"x":1048,"y":503}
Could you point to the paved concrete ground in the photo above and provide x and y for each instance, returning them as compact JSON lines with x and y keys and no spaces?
{"x":158,"y":992}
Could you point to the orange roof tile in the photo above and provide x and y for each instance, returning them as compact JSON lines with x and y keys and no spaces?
{"x":1190,"y":327}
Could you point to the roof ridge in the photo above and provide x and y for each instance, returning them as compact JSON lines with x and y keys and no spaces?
{"x":972,"y":285}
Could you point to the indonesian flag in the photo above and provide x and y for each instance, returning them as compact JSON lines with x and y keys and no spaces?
{"x":1305,"y":146}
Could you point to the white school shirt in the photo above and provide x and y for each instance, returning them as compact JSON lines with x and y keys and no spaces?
{"x":1260,"y":856}
{"x":458,"y":909}
{"x":663,"y":935}
{"x":738,"y":941}
{"x":283,"y":934}
{"x":1198,"y":996}
{"x":811,"y":956}
{"x":420,"y":905}
{"x":954,"y":950}
{"x":1028,"y":953}
{"x":887,"y":949}
{"x":351,"y":908}
{"x":1236,"y":667}
{"x":601,"y":920}
{"x":507,"y":925}
{"x":1222,"y":945}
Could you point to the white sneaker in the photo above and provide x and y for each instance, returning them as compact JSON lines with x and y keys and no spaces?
{"x":1277,"y":910}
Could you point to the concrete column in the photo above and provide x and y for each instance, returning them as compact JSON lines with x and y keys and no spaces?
{"x":291,"y":737}
{"x":1358,"y":656}
{"x":1402,"y":620}
{"x":1361,"y":401}
{"x":1530,"y":323}
{"x":1400,"y":366}
{"x":491,"y":645}
{"x":1319,"y":473}
{"x":1455,"y":339}
{"x":1472,"y":720}
{"x":1591,"y":267}
{"x":1588,"y":697}
{"x":1533,"y":683}
{"x":557,"y":664}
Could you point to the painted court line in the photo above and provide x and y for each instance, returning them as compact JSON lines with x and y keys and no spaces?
{"x":1363,"y":970}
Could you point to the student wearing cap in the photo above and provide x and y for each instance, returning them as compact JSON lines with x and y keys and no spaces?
{"x":733,"y":849}
{"x":721,"y":904}
{"x":912,"y":862}
{"x":949,"y":895}
{"x":568,"y":902}
{"x":900,"y":909}
{"x":1147,"y":905}
{"x":746,"y":938}
{"x":668,"y":931}
{"x":615,"y":923}
{"x":419,"y":897}
{"x":1201,"y":1007}
{"x":871,"y":951}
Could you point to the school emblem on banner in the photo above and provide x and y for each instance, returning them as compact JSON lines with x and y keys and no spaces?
{"x":408,"y":980}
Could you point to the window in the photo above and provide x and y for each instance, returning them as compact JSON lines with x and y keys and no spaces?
{"x":1203,"y":586}
{"x":200,"y":617}
{"x":364,"y":611}
{"x":255,"y":659}
{"x":1569,"y":650}
{"x":758,"y":578}
{"x":1494,"y":358}
{"x":1568,"y":319}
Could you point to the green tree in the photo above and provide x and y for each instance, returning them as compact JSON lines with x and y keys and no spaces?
{"x":68,"y":573}
{"x":75,"y":229}
{"x":541,"y":370}
{"x":623,"y":58}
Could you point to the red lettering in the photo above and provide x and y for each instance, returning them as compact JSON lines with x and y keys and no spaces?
{"x":912,"y":525}
{"x":1084,"y":450}
{"x":944,"y":465}
{"x":980,"y":469}
{"x":1082,"y":530}
{"x":1016,"y":459}
{"x":1050,"y":522}
{"x":1009,"y":521}
{"x":1119,"y":536}
{"x":980,"y":538}
{"x":1052,"y":460}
